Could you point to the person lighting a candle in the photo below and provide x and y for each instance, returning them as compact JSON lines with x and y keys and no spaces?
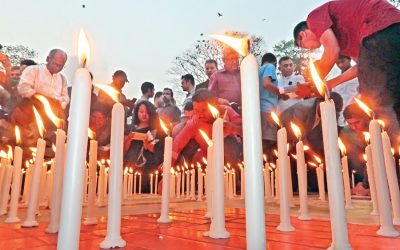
{"x":143,"y":145}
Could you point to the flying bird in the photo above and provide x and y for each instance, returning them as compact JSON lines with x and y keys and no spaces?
{"x":201,"y":34}
{"x":219,"y":14}
{"x":264,"y":19}
{"x":83,"y":5}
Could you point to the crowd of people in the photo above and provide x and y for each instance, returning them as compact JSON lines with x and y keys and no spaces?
{"x":281,"y":91}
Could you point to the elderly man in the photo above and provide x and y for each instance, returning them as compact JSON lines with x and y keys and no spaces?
{"x":46,"y":79}
{"x":368,"y":31}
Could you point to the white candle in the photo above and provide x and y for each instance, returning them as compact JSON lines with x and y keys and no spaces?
{"x":113,"y":237}
{"x":192,"y":184}
{"x":234,"y":182}
{"x":290,"y":183}
{"x":5,"y":189}
{"x":346,"y":181}
{"x":156,"y":183}
{"x":130,"y":181}
{"x":284,"y":199}
{"x":100,"y":186}
{"x":200,"y":185}
{"x":209,"y":181}
{"x":16,"y":185}
{"x":267,"y":182}
{"x":301,"y":175}
{"x":134,"y":183}
{"x":241,"y":182}
{"x":178,"y":184}
{"x":187,"y":183}
{"x":217,"y":227}
{"x":151,"y":183}
{"x":30,"y":220}
{"x":226,"y":180}
{"x":125,"y":184}
{"x":371,"y":181}
{"x":140,"y":183}
{"x":353,"y":184}
{"x":27,"y":182}
{"x":91,"y":219}
{"x":273,"y":182}
{"x":390,"y":166}
{"x":322,"y":181}
{"x":166,"y":179}
{"x":183,"y":183}
{"x":71,"y":206}
{"x":172,"y":184}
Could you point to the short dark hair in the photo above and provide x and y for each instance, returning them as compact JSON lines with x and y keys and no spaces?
{"x":211,"y":61}
{"x":268,"y":58}
{"x":204,"y":95}
{"x":188,"y":106}
{"x":170,"y":90}
{"x":146,"y":86}
{"x":341,"y":57}
{"x":157,"y":94}
{"x":284,"y":58}
{"x":188,"y":77}
{"x":99,"y":107}
{"x":353,"y":110}
{"x":27,"y":62}
{"x":296,"y":31}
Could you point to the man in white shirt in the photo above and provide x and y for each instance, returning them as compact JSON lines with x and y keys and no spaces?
{"x":348,"y":90}
{"x":287,"y":78}
{"x":46,"y":79}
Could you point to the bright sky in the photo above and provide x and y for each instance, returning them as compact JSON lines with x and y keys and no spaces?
{"x":142,"y":37}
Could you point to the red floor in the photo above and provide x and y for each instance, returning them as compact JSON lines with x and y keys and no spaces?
{"x":185,"y":232}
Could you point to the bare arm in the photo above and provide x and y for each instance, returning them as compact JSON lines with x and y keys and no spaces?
{"x":346,"y":76}
{"x":330,"y":55}
{"x":267,"y":83}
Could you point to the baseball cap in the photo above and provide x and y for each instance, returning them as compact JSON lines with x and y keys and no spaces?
{"x":121,"y":73}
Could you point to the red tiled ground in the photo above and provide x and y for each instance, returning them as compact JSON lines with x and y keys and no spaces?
{"x":186,"y":232}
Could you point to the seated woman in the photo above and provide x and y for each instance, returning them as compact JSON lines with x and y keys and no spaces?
{"x":144,"y":144}
{"x":100,"y":124}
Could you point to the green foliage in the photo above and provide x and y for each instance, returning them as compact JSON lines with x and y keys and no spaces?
{"x":299,"y":55}
{"x":18,"y":52}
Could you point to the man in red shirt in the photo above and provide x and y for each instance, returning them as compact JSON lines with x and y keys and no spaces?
{"x":368,"y":31}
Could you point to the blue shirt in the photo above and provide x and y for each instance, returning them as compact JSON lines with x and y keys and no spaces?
{"x":268,"y":100}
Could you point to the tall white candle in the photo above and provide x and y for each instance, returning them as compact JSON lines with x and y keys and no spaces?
{"x":301,"y":175}
{"x":390,"y":166}
{"x":27,"y":183}
{"x":172,"y":184}
{"x":91,"y":219}
{"x":71,"y":205}
{"x":371,"y":181}
{"x":130,"y":181}
{"x":134,"y":183}
{"x":209,"y":182}
{"x":156,"y":183}
{"x":178,"y":183}
{"x":113,"y":237}
{"x":241,"y":182}
{"x":16,"y":182}
{"x":346,"y":181}
{"x":5,"y":189}
{"x":100,"y":186}
{"x":151,"y":183}
{"x":30,"y":220}
{"x":200,"y":185}
{"x":273,"y":182}
{"x":187,"y":183}
{"x":140,"y":183}
{"x":267,"y":182}
{"x":166,"y":179}
{"x":192,"y":184}
{"x":234,"y":182}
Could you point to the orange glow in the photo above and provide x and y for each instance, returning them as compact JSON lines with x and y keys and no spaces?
{"x":91,"y":134}
{"x":198,"y":165}
{"x":276,"y":119}
{"x":83,"y":49}
{"x":53,"y":147}
{"x":206,"y":138}
{"x":49,"y":112}
{"x":205,"y":160}
{"x":382,"y":123}
{"x":367,"y":137}
{"x":294,"y":157}
{"x":296,"y":130}
{"x":318,"y":159}
{"x":3,"y":154}
{"x":240,"y":45}
{"x":164,"y":127}
{"x":312,"y":164}
{"x":186,"y":165}
{"x":264,"y":157}
{"x":240,"y":165}
{"x":156,"y":172}
{"x":319,"y":83}
{"x":342,"y":147}
{"x":392,"y":149}
{"x":365,"y":108}
{"x":39,"y":122}
{"x":109,"y":90}
{"x":131,"y":170}
{"x":276,"y":152}
{"x":365,"y":157}
{"x":17,"y":135}
{"x":305,"y":147}
{"x":172,"y":171}
{"x":272,"y":165}
{"x":214,"y":111}
{"x":10,"y":153}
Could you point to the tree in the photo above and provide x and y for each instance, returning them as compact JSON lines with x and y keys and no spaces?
{"x":299,"y":55}
{"x":192,"y":60}
{"x":395,"y":2}
{"x":18,"y":52}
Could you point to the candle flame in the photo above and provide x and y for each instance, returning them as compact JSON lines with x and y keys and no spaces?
{"x":186,"y":165}
{"x":31,"y":161}
{"x":206,"y":138}
{"x":109,"y":90}
{"x":294,"y":156}
{"x":240,"y":45}
{"x":270,"y":169}
{"x":91,"y":134}
{"x":264,"y":157}
{"x":17,"y":135}
{"x":306,"y":147}
{"x":49,"y":112}
{"x":27,"y":164}
{"x":198,"y":165}
{"x":319,"y":83}
{"x":163,"y":126}
{"x":205,"y":160}
{"x":367,"y":136}
{"x":240,"y":165}
{"x":131,"y":170}
{"x":342,"y":147}
{"x":214,"y":111}
{"x":10,"y":153}
{"x":172,"y":171}
{"x":296,"y":130}
{"x":312,"y":164}
{"x":83,"y":49}
{"x":354,"y":171}
{"x":365,"y":108}
{"x":392,"y":149}
{"x":276,"y":152}
{"x":39,"y":122}
{"x":54,"y":147}
{"x":318,"y":159}
{"x":272,"y":165}
{"x":276,"y":119}
{"x":365,"y":157}
{"x":3,"y":154}
{"x":382,"y":123}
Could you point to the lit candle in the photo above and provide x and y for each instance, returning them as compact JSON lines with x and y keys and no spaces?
{"x":226,"y":179}
{"x":353,"y":183}
{"x":192,"y":184}
{"x":166,"y":176}
{"x":156,"y":183}
{"x":267,"y":181}
{"x":151,"y":183}
{"x":90,"y":211}
{"x":5,"y":188}
{"x":301,"y":174}
{"x":217,"y":227}
{"x":241,"y":181}
{"x":234,"y":181}
{"x":27,"y":182}
{"x":71,"y":206}
{"x":320,"y":178}
{"x":30,"y":220}
{"x":125,"y":183}
{"x":272,"y":180}
{"x":284,"y":199}
{"x":183,"y":182}
{"x":371,"y":177}
{"x":178,"y":182}
{"x":130,"y":181}
{"x":100,"y":186}
{"x":187,"y":182}
{"x":346,"y":181}
{"x":382,"y":189}
{"x":134,"y":183}
{"x":332,"y":160}
{"x":172,"y":184}
{"x":16,"y":180}
{"x":199,"y":182}
{"x":209,"y":176}
{"x":140,"y":183}
{"x":113,"y":237}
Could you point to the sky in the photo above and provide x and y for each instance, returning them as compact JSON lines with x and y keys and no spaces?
{"x":141,"y":37}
